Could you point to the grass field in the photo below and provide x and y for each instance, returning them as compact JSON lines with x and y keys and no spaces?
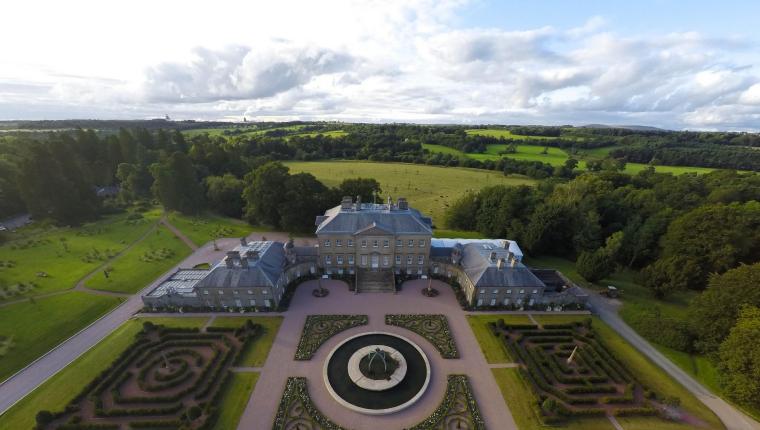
{"x":431,"y":189}
{"x":254,"y":357}
{"x":64,"y":255}
{"x":205,"y":228}
{"x":141,"y":265}
{"x":457,"y":234}
{"x":557,"y":156}
{"x":492,"y":347}
{"x":235,"y":399}
{"x":331,"y":133}
{"x":504,"y":134}
{"x":57,"y":391}
{"x":245,"y":130}
{"x":36,"y":327}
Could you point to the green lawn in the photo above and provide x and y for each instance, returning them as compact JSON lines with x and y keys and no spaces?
{"x":647,"y":372}
{"x":457,"y":234}
{"x":64,"y":254}
{"x":256,"y":355}
{"x":251,"y":130}
{"x":519,"y":399}
{"x":141,"y":265}
{"x":431,"y":189}
{"x":204,"y":228}
{"x":36,"y":327}
{"x":505,"y":134}
{"x":331,"y":133}
{"x":235,"y":399}
{"x":492,"y":347}
{"x":57,"y":391}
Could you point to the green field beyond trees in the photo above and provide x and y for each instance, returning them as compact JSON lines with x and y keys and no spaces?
{"x":431,"y":189}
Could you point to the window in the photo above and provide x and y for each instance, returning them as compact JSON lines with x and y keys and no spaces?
{"x":422,"y":243}
{"x":420,"y":259}
{"x":385,"y":244}
{"x":250,"y":292}
{"x":408,"y":259}
{"x":375,"y":243}
{"x":522,"y":291}
{"x":235,"y":292}
{"x":386,"y":260}
{"x":265,"y":291}
{"x":364,"y":243}
{"x":495,"y":292}
{"x":480,"y":302}
{"x":328,"y":259}
{"x":506,"y":302}
{"x":252,"y":302}
{"x":398,"y":259}
{"x":268,"y":303}
{"x":493,"y":302}
{"x":482,"y":291}
{"x":327,"y":243}
{"x":205,"y":292}
{"x":399,"y":242}
{"x":534,"y":292}
{"x":220,"y":292}
{"x":350,"y":260}
{"x":339,"y":259}
{"x":350,"y":243}
{"x":411,"y":243}
{"x":364,"y":260}
{"x":338,"y":242}
{"x":509,"y":291}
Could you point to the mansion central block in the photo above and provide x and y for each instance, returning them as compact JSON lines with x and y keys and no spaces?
{"x":378,"y":246}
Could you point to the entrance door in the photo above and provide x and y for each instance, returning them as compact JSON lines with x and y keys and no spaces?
{"x":375,"y":261}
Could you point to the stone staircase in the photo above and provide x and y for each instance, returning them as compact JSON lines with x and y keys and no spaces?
{"x":375,"y":281}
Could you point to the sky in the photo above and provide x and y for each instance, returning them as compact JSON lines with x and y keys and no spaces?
{"x":663,"y":63}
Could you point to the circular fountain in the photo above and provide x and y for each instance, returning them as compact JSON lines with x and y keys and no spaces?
{"x":376,"y":373}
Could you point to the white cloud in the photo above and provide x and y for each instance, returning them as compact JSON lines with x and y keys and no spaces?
{"x":364,"y":61}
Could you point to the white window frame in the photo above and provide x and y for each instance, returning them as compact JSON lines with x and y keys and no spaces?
{"x":411,"y":243}
{"x":399,"y":243}
{"x":386,"y":260}
{"x":338,"y":242}
{"x":339,"y":259}
{"x":420,"y":260}
{"x":252,"y":302}
{"x":350,"y":243}
{"x":522,"y":291}
{"x":398,"y":259}
{"x":327,"y":243}
{"x":409,"y":260}
{"x":375,"y":243}
{"x":364,"y":243}
{"x":364,"y":259}
{"x":422,"y":243}
{"x":350,"y":259}
{"x":328,"y":260}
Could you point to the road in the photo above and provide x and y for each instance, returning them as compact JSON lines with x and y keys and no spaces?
{"x":733,"y":418}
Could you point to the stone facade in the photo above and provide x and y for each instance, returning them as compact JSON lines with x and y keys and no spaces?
{"x":389,"y":236}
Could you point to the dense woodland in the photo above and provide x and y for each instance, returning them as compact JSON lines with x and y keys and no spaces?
{"x":698,"y":232}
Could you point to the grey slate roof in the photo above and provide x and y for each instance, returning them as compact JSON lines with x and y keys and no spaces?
{"x":263,"y":272}
{"x":478,"y":266}
{"x":351,"y":221}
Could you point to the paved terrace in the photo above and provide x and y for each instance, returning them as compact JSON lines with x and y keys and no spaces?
{"x":265,"y":400}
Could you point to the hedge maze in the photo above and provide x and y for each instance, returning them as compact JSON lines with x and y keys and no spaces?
{"x":168,"y":378}
{"x":591,"y":383}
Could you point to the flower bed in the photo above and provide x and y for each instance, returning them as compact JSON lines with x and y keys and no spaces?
{"x":457,"y":410}
{"x":318,"y":328}
{"x":434,"y":328}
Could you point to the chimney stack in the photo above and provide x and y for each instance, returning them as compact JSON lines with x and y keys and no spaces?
{"x":243,"y":241}
{"x":514,"y":261}
{"x":403,"y":204}
{"x":347,"y":203}
{"x":229,"y":262}
{"x":244,"y":263}
{"x":502,"y":262}
{"x":358,"y":202}
{"x":390,"y":203}
{"x":493,"y":256}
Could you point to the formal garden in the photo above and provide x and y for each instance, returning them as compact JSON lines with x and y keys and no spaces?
{"x":169,"y":377}
{"x":434,"y":328}
{"x":458,"y":409}
{"x":573,"y":374}
{"x":318,"y":328}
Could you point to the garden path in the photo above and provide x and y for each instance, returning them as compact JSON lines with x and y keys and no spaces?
{"x":264,"y":402}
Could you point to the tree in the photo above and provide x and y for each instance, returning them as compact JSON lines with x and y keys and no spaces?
{"x":265,"y":188}
{"x":367,"y":188}
{"x":135,"y":181}
{"x":193,"y":412}
{"x":714,"y":312}
{"x":740,"y":357}
{"x":43,"y":418}
{"x":176,"y":184}
{"x":305,"y":198}
{"x":225,"y":194}
{"x":670,"y":274}
{"x":462,"y":214}
{"x":593,"y":266}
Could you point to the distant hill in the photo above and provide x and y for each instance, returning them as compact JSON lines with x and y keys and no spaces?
{"x":627,"y":127}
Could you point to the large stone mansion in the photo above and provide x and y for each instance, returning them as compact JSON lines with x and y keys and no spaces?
{"x":376,"y":245}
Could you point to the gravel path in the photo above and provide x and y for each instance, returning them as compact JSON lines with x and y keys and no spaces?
{"x":279,"y":365}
